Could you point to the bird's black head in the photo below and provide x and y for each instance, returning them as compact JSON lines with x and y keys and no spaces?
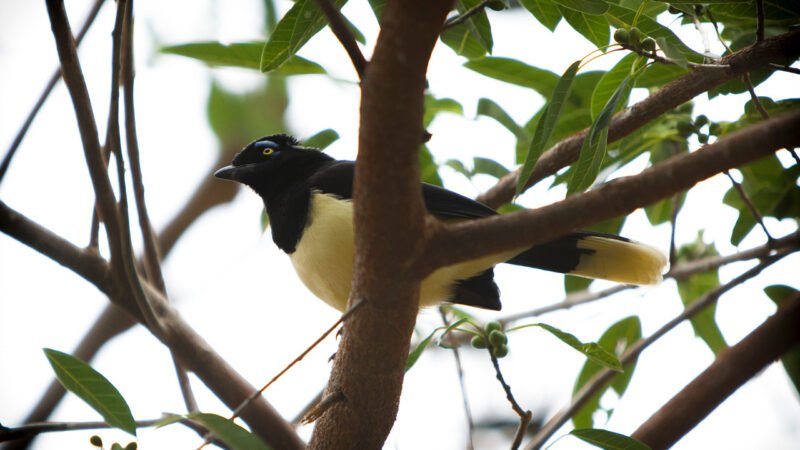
{"x":272,"y":162}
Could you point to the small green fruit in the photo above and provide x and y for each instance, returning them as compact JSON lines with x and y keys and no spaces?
{"x":96,"y":441}
{"x":635,"y":36}
{"x":674,"y":10}
{"x":714,"y":128}
{"x":703,"y":138}
{"x":700,"y":121}
{"x":649,"y":44}
{"x":685,"y":129}
{"x":500,"y":351}
{"x":622,"y":36}
{"x":493,"y":325}
{"x":477,"y":342}
{"x":497,"y":338}
{"x":132,"y":446}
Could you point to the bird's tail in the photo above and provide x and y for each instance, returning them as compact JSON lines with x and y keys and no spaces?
{"x":597,"y":255}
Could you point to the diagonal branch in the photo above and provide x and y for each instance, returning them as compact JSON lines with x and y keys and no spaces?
{"x":342,"y":31}
{"x":190,"y":347}
{"x":732,"y":368}
{"x":630,"y":355}
{"x":451,"y":243}
{"x":665,"y":99}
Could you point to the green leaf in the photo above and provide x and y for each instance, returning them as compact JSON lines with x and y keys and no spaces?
{"x":297,"y":65}
{"x":656,"y":75}
{"x":489,"y":167}
{"x":574,"y":284}
{"x":609,"y":83}
{"x":622,"y":17}
{"x":515,"y":72}
{"x":593,"y":28}
{"x":608,"y":440}
{"x":593,"y":149}
{"x":616,"y":340}
{"x":414,"y":355}
{"x":472,"y":38}
{"x":428,"y":169}
{"x":434,"y":106}
{"x":593,"y":7}
{"x":772,"y":190}
{"x":591,"y":350}
{"x":300,"y":23}
{"x":491,"y":109}
{"x":545,"y":11}
{"x":227,"y":431}
{"x":237,"y":117}
{"x":377,"y":8}
{"x":546,"y":125}
{"x":697,"y":285}
{"x":321,"y":139}
{"x":246,"y":55}
{"x":93,"y":388}
{"x":780,"y":294}
{"x":672,"y":52}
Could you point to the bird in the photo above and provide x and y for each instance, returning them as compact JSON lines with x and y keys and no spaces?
{"x":308,"y":195}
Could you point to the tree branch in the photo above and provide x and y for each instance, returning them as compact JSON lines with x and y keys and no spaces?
{"x":632,"y":353}
{"x":665,"y":99}
{"x":451,"y":243}
{"x":368,"y":369}
{"x":729,"y":371}
{"x":191,"y":348}
{"x":345,"y":36}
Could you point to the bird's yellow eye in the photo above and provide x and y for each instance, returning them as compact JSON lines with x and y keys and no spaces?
{"x":267,"y":151}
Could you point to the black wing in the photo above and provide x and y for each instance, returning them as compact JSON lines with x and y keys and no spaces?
{"x":337,"y":179}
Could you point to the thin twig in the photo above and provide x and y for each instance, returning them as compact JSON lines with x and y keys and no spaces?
{"x":759,"y":20}
{"x":46,"y":93}
{"x":524,"y":415}
{"x":151,"y":256}
{"x":632,"y":353}
{"x":664,"y":60}
{"x":578,"y":298}
{"x":677,"y":272}
{"x":33,"y":429}
{"x":789,"y":69}
{"x":462,"y":385}
{"x":750,"y":205}
{"x":345,"y":36}
{"x":257,"y":393}
{"x":463,"y":17}
{"x":756,"y":101}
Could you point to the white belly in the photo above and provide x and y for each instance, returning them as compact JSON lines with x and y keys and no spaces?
{"x":324,"y":257}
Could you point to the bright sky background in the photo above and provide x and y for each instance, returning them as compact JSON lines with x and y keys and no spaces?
{"x":234,"y":286}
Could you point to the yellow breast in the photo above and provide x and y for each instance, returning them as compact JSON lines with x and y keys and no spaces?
{"x":324,"y":257}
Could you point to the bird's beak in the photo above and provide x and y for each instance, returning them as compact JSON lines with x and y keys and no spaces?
{"x":229,"y":173}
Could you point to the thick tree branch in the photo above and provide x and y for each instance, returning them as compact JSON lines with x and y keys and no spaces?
{"x":732,"y":368}
{"x":451,"y":243}
{"x":192,"y":350}
{"x":670,"y":96}
{"x":368,"y":369}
